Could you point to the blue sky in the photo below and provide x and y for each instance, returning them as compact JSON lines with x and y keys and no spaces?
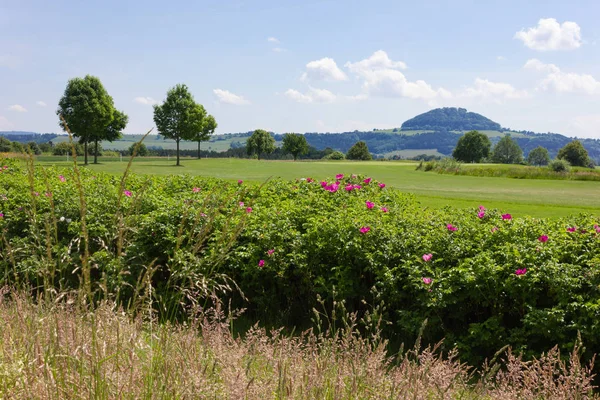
{"x":298,"y":66}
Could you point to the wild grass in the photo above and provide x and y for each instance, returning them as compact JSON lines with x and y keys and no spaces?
{"x":65,"y":350}
{"x":450,"y":167}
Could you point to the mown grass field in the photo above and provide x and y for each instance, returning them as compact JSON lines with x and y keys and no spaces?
{"x":537,"y":198}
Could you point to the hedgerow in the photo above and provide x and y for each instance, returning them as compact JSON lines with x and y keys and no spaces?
{"x":481,"y":278}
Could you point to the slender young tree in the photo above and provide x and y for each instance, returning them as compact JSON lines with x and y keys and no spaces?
{"x":538,"y":156}
{"x":87,"y":109}
{"x":179,"y":117}
{"x":260,"y":142}
{"x":294,"y":144}
{"x":208,"y":128}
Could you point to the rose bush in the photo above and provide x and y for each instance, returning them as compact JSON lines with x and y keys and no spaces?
{"x":481,"y":278}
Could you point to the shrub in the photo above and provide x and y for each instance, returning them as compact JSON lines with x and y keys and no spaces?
{"x":142,"y":150}
{"x":559,"y":165}
{"x":336,"y":155}
{"x":64,"y":148}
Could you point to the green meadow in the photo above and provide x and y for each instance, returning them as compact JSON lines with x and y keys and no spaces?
{"x":521,"y":197}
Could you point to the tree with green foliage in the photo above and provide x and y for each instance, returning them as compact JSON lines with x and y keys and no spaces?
{"x":35,"y":149}
{"x":46,"y":147}
{"x":295,"y":144}
{"x":473,"y":146}
{"x":208,"y":128}
{"x":507,"y":151}
{"x":16,"y":147}
{"x":88,"y":111}
{"x":64,"y":148}
{"x":4,"y":145}
{"x":112,"y":132}
{"x":538,"y":156}
{"x":260,"y":142}
{"x":142,"y":150}
{"x":179,"y":117}
{"x":575,"y":154}
{"x":359,"y":151}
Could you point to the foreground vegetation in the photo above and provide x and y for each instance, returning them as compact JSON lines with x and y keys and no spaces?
{"x":64,"y":350}
{"x":481,"y":278}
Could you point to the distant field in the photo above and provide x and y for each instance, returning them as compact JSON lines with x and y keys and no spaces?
{"x":413,"y":153}
{"x":537,"y":198}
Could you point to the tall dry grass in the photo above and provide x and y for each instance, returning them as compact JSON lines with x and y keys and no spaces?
{"x":61,"y":350}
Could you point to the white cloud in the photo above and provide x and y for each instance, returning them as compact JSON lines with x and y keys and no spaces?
{"x":313,"y":95}
{"x":500,"y":58}
{"x":279,"y":49}
{"x":273,"y":40}
{"x":145,"y":100}
{"x":549,"y":34}
{"x":567,"y":82}
{"x":17,"y":108}
{"x":378,"y":60}
{"x":381,"y":77}
{"x":324,"y":69}
{"x":585,"y":126}
{"x":41,"y":103}
{"x":496,"y":91}
{"x":225,"y":96}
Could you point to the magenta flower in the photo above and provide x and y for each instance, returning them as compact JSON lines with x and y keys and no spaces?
{"x":572,"y":229}
{"x":597,"y":228}
{"x":451,"y":227}
{"x":203,"y":215}
{"x":48,"y":194}
{"x":481,"y":208}
{"x":349,"y":187}
{"x":543,"y":238}
{"x":248,"y":210}
{"x":127,"y":193}
{"x":427,"y":281}
{"x":353,"y":176}
{"x":365,"y":229}
{"x":5,"y":167}
{"x":196,"y":189}
{"x":240,"y":182}
{"x":333,"y":187}
{"x":494,"y":229}
{"x":384,"y":209}
{"x":261,"y":263}
{"x":481,"y":214}
{"x":382,"y":185}
{"x":427,"y":257}
{"x":270,"y":252}
{"x":369,"y":204}
{"x":62,"y":178}
{"x":241,"y":204}
{"x":1,"y":215}
{"x":506,"y":217}
{"x":36,"y":194}
{"x":357,"y":187}
{"x":367,"y":181}
{"x":520,"y":272}
{"x":309,"y":180}
{"x":339,"y":176}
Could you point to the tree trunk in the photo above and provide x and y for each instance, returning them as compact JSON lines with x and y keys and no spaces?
{"x":85,"y":153}
{"x":295,"y":156}
{"x":177,"y":152}
{"x":95,"y":152}
{"x":198,"y":149}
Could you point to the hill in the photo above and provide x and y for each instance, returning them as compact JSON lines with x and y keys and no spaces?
{"x":450,"y":119}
